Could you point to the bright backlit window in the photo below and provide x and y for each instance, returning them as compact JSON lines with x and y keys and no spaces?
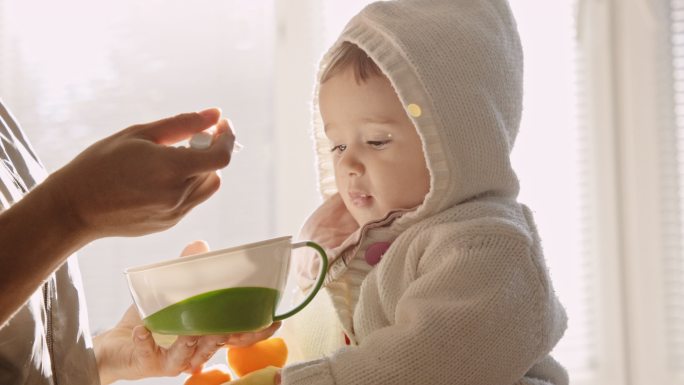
{"x":74,"y":71}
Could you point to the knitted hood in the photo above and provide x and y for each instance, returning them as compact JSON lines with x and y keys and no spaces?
{"x":457,"y":67}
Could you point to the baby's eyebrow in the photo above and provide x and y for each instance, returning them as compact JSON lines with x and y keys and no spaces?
{"x":384,"y":121}
{"x":378,"y":120}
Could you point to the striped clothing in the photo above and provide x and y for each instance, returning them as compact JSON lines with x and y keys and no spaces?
{"x":47,"y":341}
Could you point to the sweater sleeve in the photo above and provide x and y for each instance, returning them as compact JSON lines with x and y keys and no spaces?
{"x":480,"y":312}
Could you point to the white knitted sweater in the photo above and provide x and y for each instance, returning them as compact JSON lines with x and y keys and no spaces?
{"x":462,"y":295}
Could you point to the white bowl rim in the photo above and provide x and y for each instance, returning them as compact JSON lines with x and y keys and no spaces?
{"x":208,"y":254}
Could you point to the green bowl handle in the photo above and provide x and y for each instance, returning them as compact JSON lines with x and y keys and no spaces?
{"x":319,"y":281}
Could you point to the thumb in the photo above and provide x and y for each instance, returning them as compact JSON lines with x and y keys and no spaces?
{"x":143,"y":342}
{"x":196,"y":247}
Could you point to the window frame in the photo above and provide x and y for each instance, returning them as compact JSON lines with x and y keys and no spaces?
{"x":637,"y":28}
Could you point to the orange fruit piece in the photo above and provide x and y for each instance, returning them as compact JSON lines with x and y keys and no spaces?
{"x":209,"y":377}
{"x":269,"y":352}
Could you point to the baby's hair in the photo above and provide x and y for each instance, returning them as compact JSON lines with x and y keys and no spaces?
{"x":350,"y":55}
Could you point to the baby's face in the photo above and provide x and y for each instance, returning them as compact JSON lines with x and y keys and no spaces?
{"x":378,"y":155}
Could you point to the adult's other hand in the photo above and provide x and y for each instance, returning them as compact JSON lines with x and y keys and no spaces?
{"x":134,"y":182}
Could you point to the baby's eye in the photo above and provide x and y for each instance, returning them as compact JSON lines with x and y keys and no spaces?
{"x":378,"y":144}
{"x":339,"y":148}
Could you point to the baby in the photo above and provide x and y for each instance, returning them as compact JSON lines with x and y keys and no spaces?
{"x":437,"y":274}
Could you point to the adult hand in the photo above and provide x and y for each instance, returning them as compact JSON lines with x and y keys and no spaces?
{"x":130,"y":183}
{"x":128,"y":351}
{"x":133,"y":183}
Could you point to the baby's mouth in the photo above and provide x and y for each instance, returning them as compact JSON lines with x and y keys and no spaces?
{"x":359,"y":199}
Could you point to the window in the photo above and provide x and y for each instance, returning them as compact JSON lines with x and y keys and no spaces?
{"x":671,"y":130}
